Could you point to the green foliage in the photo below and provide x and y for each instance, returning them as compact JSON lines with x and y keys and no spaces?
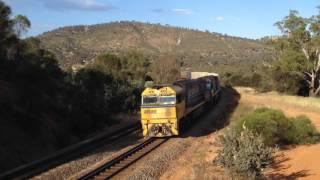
{"x":148,"y":84}
{"x":131,"y":66}
{"x":292,"y":61}
{"x":42,"y":100}
{"x":302,"y":131}
{"x":240,"y":79}
{"x":244,"y":154}
{"x":7,"y":37}
{"x":21,"y":24}
{"x":276,"y":128}
{"x":298,"y":51}
{"x":268,"y":122}
{"x":287,"y":73}
{"x":129,"y":72}
{"x":258,"y":77}
{"x":108,"y":64}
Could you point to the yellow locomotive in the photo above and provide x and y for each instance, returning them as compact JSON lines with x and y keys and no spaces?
{"x":164,"y":108}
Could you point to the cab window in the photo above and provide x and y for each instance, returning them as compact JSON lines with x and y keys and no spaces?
{"x":167,"y":99}
{"x":149,"y":100}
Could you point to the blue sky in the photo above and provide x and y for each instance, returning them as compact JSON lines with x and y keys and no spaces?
{"x":244,"y":18}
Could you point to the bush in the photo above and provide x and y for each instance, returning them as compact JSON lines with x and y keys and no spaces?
{"x":270,"y":123}
{"x":302,"y":131}
{"x":260,"y":78}
{"x":244,"y":154}
{"x":276,"y":128}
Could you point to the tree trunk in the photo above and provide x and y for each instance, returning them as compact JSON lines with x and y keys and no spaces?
{"x":312,"y":92}
{"x":318,"y":90}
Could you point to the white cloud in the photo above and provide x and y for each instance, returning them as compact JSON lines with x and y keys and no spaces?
{"x":87,"y":5}
{"x":182,"y":11}
{"x":219,"y":18}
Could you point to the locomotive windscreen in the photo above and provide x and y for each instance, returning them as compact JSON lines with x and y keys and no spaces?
{"x":167,"y":99}
{"x":149,"y":100}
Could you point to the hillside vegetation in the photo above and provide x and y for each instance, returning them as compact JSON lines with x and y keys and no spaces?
{"x":194,"y":49}
{"x":44,"y":108}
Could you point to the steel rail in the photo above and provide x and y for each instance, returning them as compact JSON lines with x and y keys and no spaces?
{"x":121,"y":162}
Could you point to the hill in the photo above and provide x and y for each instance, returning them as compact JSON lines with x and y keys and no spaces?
{"x":195,"y":49}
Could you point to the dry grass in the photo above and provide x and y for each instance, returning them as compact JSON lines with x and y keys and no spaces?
{"x":241,"y":110}
{"x":310,"y":104}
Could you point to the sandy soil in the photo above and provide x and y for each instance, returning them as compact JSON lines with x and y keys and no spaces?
{"x":300,"y":162}
{"x":196,"y":162}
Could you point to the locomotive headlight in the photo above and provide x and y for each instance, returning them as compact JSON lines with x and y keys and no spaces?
{"x":154,"y":128}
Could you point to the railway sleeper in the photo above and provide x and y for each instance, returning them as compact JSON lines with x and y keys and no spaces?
{"x":100,"y":177}
{"x":125,"y":161}
{"x":120,"y":164}
{"x":106,"y":173}
{"x":129,"y":159}
{"x":140,"y":153}
{"x":115,"y":168}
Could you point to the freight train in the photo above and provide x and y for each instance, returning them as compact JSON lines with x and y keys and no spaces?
{"x":166,"y":108}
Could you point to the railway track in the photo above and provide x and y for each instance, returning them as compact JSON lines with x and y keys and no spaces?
{"x":67,"y":154}
{"x":111,"y":168}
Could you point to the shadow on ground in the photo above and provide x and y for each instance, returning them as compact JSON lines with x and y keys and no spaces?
{"x":117,"y":145}
{"x":279,"y":166}
{"x":217,"y":116}
{"x":294,"y":175}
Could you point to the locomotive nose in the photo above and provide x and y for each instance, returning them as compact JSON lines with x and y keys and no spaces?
{"x":160,"y":130}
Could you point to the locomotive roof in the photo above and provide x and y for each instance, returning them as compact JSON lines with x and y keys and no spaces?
{"x":176,"y":88}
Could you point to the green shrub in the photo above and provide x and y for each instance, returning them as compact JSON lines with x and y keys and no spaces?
{"x":302,"y":131}
{"x":276,"y":128}
{"x":270,"y":123}
{"x":245,"y":154}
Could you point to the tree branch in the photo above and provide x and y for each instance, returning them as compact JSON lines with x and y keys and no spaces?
{"x":307,"y":73}
{"x":305,"y":52}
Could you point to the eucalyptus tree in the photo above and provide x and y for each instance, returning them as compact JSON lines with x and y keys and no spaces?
{"x":21,"y":24}
{"x":299,"y":48}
